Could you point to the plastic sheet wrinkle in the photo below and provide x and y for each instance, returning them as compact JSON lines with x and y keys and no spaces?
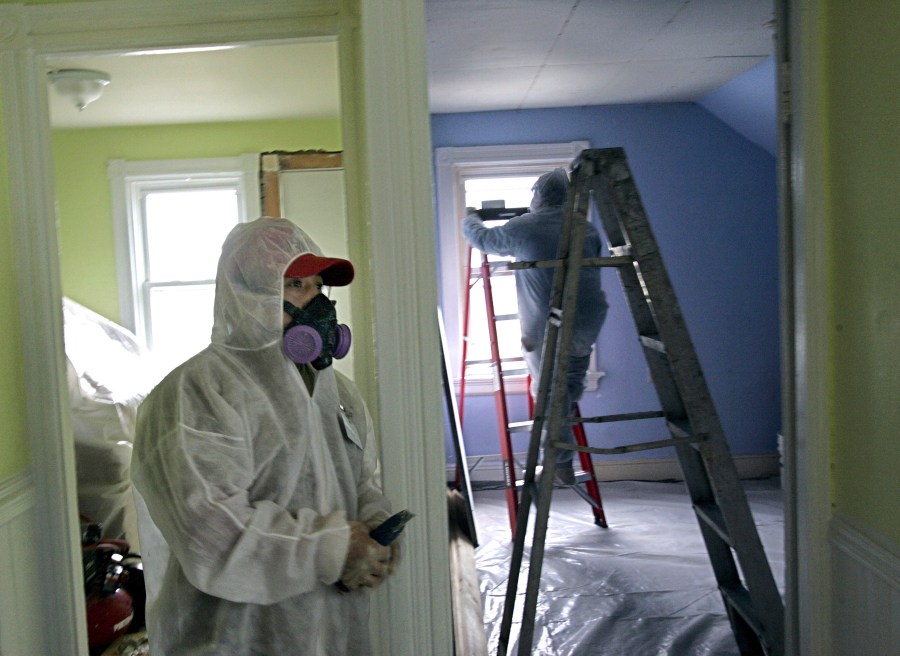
{"x":642,"y":586}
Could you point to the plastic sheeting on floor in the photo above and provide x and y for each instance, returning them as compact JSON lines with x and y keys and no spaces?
{"x":642,"y":587}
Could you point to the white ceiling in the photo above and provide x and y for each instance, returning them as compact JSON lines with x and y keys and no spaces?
{"x":238,"y":84}
{"x":482,"y":55}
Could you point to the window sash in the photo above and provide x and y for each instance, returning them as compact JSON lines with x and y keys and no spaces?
{"x":130,"y":183}
{"x":453,"y":166}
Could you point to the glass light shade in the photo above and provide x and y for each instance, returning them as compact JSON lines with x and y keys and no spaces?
{"x":80,"y":86}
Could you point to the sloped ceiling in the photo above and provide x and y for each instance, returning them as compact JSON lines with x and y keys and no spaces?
{"x":482,"y":54}
{"x":550,"y":53}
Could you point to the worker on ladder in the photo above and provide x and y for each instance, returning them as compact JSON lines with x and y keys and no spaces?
{"x":534,"y":236}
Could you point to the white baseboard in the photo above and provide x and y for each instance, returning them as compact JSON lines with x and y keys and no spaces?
{"x":490,"y":468}
{"x":865,"y":592}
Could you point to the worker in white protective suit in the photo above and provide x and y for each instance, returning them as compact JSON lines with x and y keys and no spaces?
{"x":532,"y":237}
{"x":256,"y":475}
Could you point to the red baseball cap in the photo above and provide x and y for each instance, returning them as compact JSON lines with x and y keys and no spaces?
{"x":335,"y":272}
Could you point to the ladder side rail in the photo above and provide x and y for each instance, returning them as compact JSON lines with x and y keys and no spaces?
{"x":558,"y":344}
{"x":593,"y":489}
{"x":719,"y":550}
{"x":464,"y":342}
{"x":689,"y":379}
{"x":506,"y":451}
{"x":534,"y":447}
{"x":464,"y":354}
{"x":640,"y":306}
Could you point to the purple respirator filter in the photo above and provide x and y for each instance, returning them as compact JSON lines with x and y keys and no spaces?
{"x":303,"y":344}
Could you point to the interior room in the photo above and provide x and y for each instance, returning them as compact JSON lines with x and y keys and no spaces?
{"x":702,"y":148}
{"x":165,"y":105}
{"x":748,"y":208}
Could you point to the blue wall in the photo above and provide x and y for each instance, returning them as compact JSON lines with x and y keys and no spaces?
{"x":747,"y":104}
{"x":710,"y":194}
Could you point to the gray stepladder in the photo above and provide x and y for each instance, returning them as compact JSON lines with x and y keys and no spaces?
{"x":750,"y":595}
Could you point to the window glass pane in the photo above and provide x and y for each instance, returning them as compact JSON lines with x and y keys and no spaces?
{"x":514,"y":191}
{"x":509,"y":336}
{"x":185,"y":230}
{"x":182,"y":322}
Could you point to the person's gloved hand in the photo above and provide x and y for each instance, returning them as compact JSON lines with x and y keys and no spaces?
{"x":367,"y":563}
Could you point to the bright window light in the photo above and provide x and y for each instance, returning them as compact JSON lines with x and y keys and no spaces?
{"x":513,"y":192}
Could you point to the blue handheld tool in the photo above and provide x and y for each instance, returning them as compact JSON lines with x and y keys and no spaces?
{"x":388,"y":530}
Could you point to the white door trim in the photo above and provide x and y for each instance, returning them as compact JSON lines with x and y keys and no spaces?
{"x":393,"y":187}
{"x":810,"y":491}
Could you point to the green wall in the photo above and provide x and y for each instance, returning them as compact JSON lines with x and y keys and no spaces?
{"x":87,"y":257}
{"x":13,"y":444}
{"x":14,"y":456}
{"x":863,"y":145}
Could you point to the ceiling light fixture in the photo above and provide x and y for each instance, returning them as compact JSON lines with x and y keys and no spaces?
{"x":80,"y":86}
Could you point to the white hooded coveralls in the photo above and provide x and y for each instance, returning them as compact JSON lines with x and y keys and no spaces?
{"x":250,"y":479}
{"x":535,"y":236}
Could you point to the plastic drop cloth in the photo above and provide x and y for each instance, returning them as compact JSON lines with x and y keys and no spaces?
{"x":249,"y":478}
{"x":642,"y":587}
{"x":107,"y":380}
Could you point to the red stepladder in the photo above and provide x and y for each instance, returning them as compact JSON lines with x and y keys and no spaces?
{"x":504,"y":426}
{"x":586,"y":483}
{"x":587,"y":476}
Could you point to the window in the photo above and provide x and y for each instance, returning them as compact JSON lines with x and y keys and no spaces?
{"x":504,"y":191}
{"x":173,"y":218}
{"x":465,"y":177}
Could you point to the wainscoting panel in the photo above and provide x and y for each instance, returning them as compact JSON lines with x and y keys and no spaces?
{"x":866,"y":594}
{"x":21,"y":584}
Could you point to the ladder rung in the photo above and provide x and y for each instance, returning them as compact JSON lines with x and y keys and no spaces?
{"x":496,"y":271}
{"x":628,"y":448}
{"x":653,"y":343}
{"x":710,"y":513}
{"x":579,"y":481}
{"x":505,"y":317}
{"x":679,"y":427}
{"x":739,"y":599}
{"x":626,"y":416}
{"x":587,"y":262}
{"x":491,"y":361}
{"x":519,"y":426}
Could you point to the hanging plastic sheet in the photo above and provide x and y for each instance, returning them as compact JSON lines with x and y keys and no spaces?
{"x":107,"y":379}
{"x":644,"y":586}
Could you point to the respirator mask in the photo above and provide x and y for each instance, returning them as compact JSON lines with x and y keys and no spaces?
{"x":314,"y":336}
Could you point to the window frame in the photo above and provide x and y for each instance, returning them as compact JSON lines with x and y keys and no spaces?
{"x":453,"y":165}
{"x":128,"y":181}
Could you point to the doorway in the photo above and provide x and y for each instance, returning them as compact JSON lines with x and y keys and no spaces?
{"x":104,"y":27}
